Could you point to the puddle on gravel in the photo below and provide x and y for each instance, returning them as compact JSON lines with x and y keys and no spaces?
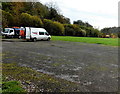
{"x":42,"y":71}
{"x":78,"y":68}
{"x":72,"y":78}
{"x":114,"y":65}
{"x":69,"y":77}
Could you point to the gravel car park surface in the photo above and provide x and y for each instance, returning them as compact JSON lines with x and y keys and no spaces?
{"x":93,"y":66}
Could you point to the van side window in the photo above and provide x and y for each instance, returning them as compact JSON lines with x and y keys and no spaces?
{"x":41,"y":33}
{"x":11,"y":31}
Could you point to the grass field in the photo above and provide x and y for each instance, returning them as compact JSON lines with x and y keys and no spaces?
{"x":104,"y":41}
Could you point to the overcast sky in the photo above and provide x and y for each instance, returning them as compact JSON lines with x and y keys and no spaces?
{"x":99,"y":13}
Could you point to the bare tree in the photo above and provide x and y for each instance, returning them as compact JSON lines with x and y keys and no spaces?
{"x":54,"y":6}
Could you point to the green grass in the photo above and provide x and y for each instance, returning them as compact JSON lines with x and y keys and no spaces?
{"x":103,"y":41}
{"x":11,"y":86}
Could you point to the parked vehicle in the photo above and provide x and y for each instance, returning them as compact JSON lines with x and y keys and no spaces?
{"x":34,"y":34}
{"x":11,"y":32}
{"x":27,"y":33}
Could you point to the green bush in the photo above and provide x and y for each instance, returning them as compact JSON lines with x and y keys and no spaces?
{"x":53,"y":27}
{"x":36,"y":21}
{"x":58,"y":28}
{"x":90,"y":31}
{"x":7,"y":19}
{"x":69,"y":30}
{"x":25,"y":19}
{"x":48,"y":24}
{"x":74,"y":30}
{"x":30,"y":21}
{"x":79,"y":31}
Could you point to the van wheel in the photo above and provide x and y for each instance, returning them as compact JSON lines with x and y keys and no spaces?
{"x":48,"y":39}
{"x":34,"y":40}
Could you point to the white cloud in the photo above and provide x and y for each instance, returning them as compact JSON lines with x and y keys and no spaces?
{"x":99,"y":13}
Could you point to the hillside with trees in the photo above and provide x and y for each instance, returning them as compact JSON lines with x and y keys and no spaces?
{"x":35,"y":14}
{"x":112,"y":31}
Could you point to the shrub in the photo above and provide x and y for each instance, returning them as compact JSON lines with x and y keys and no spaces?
{"x":25,"y":19}
{"x":53,"y":27}
{"x":30,"y":21}
{"x":36,"y":21}
{"x":7,"y":19}
{"x":58,"y":28}
{"x":91,"y":32}
{"x":69,"y":30}
{"x":74,"y":30}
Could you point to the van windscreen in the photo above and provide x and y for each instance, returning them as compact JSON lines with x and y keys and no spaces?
{"x":6,"y":30}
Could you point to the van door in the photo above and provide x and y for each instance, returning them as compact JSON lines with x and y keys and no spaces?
{"x":46,"y":35}
{"x":28,"y":32}
{"x":11,"y":32}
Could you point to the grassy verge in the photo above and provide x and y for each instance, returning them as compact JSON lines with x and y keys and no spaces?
{"x":104,"y":41}
{"x":33,"y":81}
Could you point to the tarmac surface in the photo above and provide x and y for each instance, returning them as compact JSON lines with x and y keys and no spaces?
{"x":93,"y":66}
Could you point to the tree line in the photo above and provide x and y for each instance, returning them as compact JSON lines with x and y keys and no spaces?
{"x":35,"y":14}
{"x":112,"y":31}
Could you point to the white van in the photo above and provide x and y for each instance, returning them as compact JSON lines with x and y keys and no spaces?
{"x":11,"y":32}
{"x":8,"y":32}
{"x":35,"y":34}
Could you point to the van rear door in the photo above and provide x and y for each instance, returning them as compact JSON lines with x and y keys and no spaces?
{"x":28,"y":32}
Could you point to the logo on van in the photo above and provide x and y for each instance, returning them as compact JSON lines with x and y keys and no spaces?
{"x":34,"y":33}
